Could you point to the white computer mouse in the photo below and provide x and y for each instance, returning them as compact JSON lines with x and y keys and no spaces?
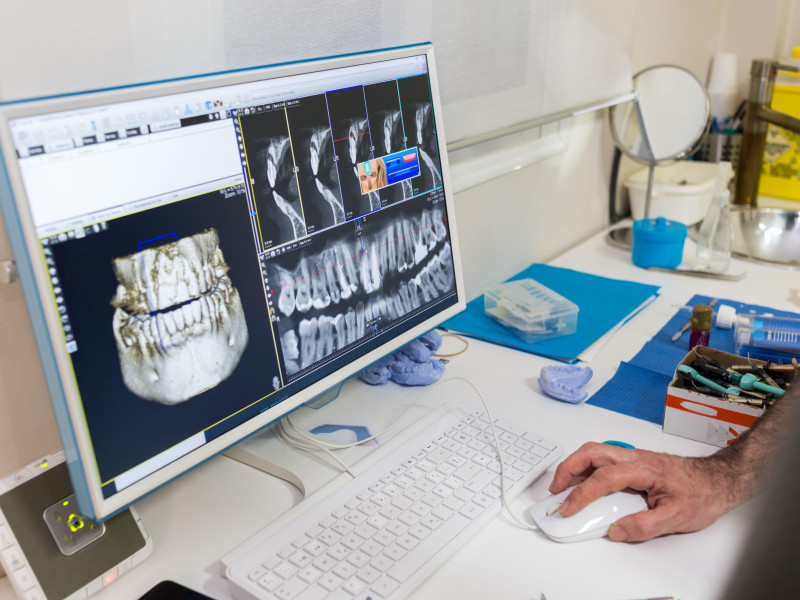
{"x":590,"y":523}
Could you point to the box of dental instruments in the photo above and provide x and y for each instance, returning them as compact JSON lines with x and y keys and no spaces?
{"x":716,"y":396}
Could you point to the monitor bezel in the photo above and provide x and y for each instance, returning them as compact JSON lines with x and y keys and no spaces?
{"x":44,"y":316}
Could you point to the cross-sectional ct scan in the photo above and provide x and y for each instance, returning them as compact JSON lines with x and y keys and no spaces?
{"x":353,"y":144}
{"x":179,"y":326}
{"x":355,"y":282}
{"x":316,"y":165}
{"x":415,"y":98}
{"x":386,"y":127}
{"x":271,"y":167}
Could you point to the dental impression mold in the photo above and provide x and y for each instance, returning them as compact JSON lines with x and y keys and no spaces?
{"x":530,"y":310}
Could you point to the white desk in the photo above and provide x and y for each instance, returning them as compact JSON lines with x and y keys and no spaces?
{"x":201,"y":516}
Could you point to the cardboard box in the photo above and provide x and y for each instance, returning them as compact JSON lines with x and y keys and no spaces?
{"x":705,"y":418}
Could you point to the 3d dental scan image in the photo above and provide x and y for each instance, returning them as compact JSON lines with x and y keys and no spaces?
{"x":179,"y":325}
{"x":186,"y":342}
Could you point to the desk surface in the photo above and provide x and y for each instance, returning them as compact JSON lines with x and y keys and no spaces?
{"x":209,"y":511}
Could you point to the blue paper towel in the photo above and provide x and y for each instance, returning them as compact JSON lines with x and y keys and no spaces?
{"x":639,"y":388}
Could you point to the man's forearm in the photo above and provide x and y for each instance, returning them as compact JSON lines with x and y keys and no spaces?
{"x":744,"y":463}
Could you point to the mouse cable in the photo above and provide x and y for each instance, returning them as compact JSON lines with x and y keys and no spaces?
{"x":307,"y":441}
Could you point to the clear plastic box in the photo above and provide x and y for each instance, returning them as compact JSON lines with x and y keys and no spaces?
{"x":530,"y":310}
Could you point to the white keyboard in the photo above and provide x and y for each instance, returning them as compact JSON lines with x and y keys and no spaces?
{"x":382,"y":533}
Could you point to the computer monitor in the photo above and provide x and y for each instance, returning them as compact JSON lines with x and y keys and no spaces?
{"x":199,"y":257}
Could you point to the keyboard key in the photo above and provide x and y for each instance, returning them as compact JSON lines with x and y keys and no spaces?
{"x":344,"y":570}
{"x":391,"y":512}
{"x":425,"y":465}
{"x":352,"y":541}
{"x":395,"y":552}
{"x":330,"y":581}
{"x":355,"y":517}
{"x":419,"y":531}
{"x":396,"y":528}
{"x":382,"y":562}
{"x":314,"y":548}
{"x":470,"y":510}
{"x":384,"y":586}
{"x":338,"y":552}
{"x":354,"y":586}
{"x":384,"y":537}
{"x":371,"y":548}
{"x":271,"y":562}
{"x":539,"y":451}
{"x":301,"y":559}
{"x":358,"y":559}
{"x":329,"y":538}
{"x":369,"y":508}
{"x":342,"y":528}
{"x":365,"y":531}
{"x":438,"y":455}
{"x":402,"y":503}
{"x":407,"y":542}
{"x":325,"y":563}
{"x":426,"y":485}
{"x":415,"y":474}
{"x":408,"y":518}
{"x":289,"y":590}
{"x":309,"y":574}
{"x":483,"y":500}
{"x":368,"y":574}
{"x":270,"y":581}
{"x":285,"y":570}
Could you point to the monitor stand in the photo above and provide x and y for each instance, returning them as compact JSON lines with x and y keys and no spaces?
{"x":358,"y":409}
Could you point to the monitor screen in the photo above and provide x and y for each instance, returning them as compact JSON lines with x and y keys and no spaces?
{"x":201,"y":256}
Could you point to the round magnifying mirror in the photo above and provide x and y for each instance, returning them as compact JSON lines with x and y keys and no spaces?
{"x":665,"y":122}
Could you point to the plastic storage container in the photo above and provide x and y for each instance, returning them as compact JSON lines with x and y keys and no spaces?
{"x":530,"y":310}
{"x":780,"y":176}
{"x":681,"y":192}
{"x":658,"y":243}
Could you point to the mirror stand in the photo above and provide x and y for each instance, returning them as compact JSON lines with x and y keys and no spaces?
{"x":664,"y":122}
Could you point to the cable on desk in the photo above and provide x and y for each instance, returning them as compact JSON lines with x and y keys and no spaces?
{"x":458,"y":337}
{"x":310,"y":442}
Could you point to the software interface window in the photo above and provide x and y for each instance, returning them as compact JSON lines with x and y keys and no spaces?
{"x":211,"y":253}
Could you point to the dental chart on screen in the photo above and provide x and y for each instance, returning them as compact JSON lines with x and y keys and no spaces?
{"x":214,"y":251}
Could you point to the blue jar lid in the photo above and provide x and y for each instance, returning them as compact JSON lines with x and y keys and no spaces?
{"x":659,"y":230}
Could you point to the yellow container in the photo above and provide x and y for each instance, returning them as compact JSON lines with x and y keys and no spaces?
{"x":780,"y":167}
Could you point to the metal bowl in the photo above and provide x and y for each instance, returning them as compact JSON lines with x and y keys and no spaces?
{"x":767,"y":234}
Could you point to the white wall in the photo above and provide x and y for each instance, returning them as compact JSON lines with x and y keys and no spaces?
{"x":530,"y":215}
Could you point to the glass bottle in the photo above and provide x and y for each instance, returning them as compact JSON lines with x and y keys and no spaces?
{"x":716,"y":231}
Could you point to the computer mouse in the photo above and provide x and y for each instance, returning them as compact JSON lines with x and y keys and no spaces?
{"x":590,"y":523}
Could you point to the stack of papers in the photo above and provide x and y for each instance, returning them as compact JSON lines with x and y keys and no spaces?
{"x":604,"y":306}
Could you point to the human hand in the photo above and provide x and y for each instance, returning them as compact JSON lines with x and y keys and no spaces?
{"x":684,"y":494}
